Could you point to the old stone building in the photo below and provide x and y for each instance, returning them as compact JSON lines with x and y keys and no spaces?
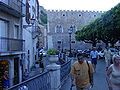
{"x":59,"y":24}
{"x":11,"y":41}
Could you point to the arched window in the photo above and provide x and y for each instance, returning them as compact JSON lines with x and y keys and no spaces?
{"x":63,"y":14}
{"x":94,"y":15}
{"x":58,"y":29}
{"x":80,"y":15}
{"x":73,"y":28}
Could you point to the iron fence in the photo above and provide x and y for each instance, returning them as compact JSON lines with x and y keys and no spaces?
{"x":65,"y":70}
{"x":39,"y":82}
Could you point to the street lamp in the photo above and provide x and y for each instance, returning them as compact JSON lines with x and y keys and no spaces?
{"x":62,"y":46}
{"x":70,"y":32}
{"x":59,"y":42}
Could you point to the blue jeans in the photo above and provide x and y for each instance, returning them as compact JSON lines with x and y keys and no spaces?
{"x":6,"y":83}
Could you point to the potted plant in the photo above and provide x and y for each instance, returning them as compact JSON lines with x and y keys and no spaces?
{"x":53,"y":55}
{"x":52,"y":52}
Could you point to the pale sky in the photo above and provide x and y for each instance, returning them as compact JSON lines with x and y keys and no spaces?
{"x":96,"y":5}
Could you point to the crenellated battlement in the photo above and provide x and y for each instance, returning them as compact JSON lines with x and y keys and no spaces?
{"x":75,"y":11}
{"x":76,"y":14}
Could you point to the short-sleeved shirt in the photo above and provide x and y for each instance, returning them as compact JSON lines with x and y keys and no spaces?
{"x":94,"y":54}
{"x":80,"y":73}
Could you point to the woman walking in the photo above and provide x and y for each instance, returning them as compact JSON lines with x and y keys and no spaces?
{"x":113,"y":73}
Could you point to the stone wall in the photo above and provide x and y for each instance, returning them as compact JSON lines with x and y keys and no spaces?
{"x":60,"y":21}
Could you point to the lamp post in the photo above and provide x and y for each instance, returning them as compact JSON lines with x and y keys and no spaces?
{"x":62,"y":46}
{"x":59,"y":42}
{"x":70,"y":32}
{"x":59,"y":55}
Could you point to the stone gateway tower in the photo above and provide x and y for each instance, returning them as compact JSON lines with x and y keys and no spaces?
{"x":59,"y":23}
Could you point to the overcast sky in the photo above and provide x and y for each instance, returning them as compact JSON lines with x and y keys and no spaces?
{"x":97,"y":5}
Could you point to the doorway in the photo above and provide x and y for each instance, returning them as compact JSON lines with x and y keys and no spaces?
{"x":16,"y":70}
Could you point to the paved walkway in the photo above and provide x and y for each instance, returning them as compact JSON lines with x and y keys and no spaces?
{"x":38,"y":70}
{"x":99,"y":78}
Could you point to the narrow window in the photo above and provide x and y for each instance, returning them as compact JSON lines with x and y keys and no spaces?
{"x":63,"y":14}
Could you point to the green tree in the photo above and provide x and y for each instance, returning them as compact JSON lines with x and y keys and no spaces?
{"x":105,"y":28}
{"x":43,"y":17}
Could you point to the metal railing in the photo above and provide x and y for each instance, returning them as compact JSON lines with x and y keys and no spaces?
{"x":10,"y":44}
{"x":65,"y":70}
{"x":42,"y":81}
{"x":39,"y":82}
{"x":4,"y":1}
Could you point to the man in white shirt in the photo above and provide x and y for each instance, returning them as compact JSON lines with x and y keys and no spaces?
{"x":94,"y":57}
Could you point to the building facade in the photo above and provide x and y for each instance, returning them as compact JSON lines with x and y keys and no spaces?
{"x":43,"y":21}
{"x":31,"y":32}
{"x":11,"y":42}
{"x":59,"y":24}
{"x":21,"y":35}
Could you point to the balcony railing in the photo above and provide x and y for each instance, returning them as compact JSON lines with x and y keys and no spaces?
{"x":5,"y":1}
{"x":16,"y":5}
{"x":10,"y":44}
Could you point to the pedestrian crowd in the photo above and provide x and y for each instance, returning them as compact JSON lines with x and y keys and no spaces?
{"x":82,"y":70}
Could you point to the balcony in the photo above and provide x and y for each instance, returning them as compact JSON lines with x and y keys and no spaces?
{"x":13,"y":7}
{"x":11,"y":45}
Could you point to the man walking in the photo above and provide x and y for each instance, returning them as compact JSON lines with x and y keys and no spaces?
{"x":94,"y":57}
{"x":82,"y":73}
